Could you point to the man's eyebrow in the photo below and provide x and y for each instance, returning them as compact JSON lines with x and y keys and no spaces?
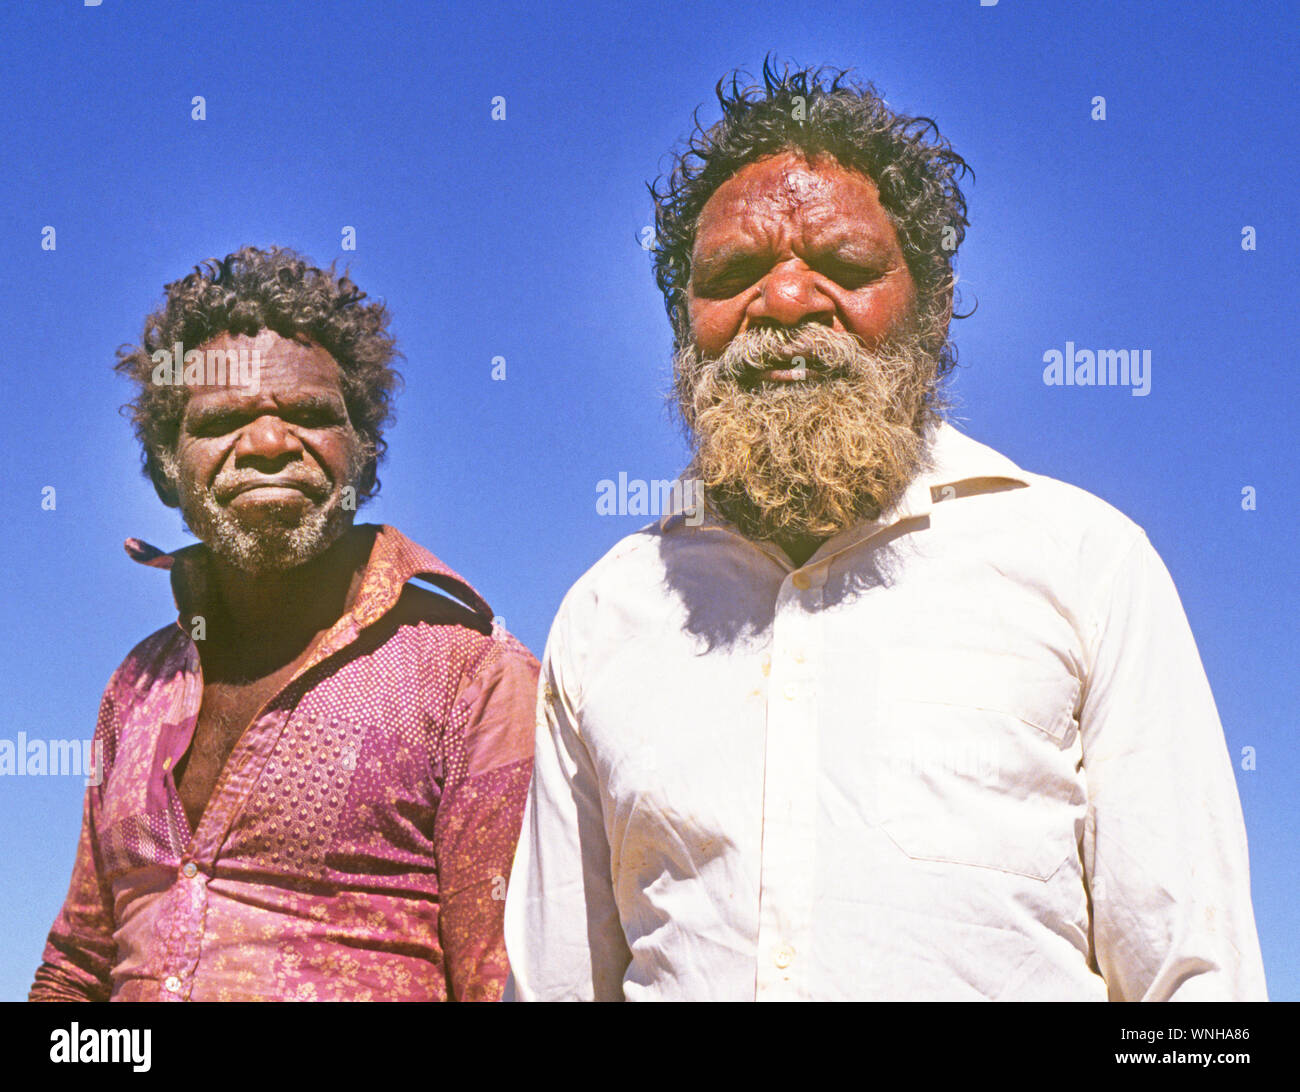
{"x":845,"y":242}
{"x":297,"y":403}
{"x":729,"y":254}
{"x":315,"y":401}
{"x":867,"y":244}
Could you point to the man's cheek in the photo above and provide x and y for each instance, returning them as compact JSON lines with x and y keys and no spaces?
{"x":710,"y":329}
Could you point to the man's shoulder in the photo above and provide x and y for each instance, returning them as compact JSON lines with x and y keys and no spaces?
{"x":1070,"y":510}
{"x":155,"y":653}
{"x":1061,"y":515}
{"x":454,"y":632}
{"x":634,"y":555}
{"x":433,"y":597}
{"x":158,"y":659}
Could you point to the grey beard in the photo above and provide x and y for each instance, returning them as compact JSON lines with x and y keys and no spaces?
{"x":274,"y":548}
{"x":814,"y":457}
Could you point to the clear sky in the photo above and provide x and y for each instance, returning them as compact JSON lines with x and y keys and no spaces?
{"x":520,"y":238}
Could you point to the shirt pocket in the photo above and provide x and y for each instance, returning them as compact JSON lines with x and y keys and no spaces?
{"x":976,"y":761}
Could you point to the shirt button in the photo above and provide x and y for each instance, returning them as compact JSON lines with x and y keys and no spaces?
{"x":790,"y":691}
{"x":800,"y":580}
{"x":783,"y":956}
{"x":172,"y":984}
{"x":190,"y":870}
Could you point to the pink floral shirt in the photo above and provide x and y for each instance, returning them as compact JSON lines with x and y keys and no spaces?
{"x":357,"y":843}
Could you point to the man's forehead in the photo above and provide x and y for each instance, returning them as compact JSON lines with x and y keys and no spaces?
{"x":280,"y":368}
{"x":273,"y":347}
{"x":794,"y":182}
{"x":819,"y":194}
{"x":280,"y":385}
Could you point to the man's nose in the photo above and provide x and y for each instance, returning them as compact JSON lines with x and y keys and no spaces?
{"x":268,"y":438}
{"x":790,"y":295}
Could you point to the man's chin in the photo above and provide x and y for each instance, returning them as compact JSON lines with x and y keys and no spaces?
{"x":278,"y":540}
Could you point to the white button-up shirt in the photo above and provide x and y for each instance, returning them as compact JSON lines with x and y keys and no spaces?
{"x":966,"y":751}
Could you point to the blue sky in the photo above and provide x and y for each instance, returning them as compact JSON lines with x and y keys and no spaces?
{"x":520,"y":239}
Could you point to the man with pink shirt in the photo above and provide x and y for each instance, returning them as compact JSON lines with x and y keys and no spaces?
{"x":312,"y":782}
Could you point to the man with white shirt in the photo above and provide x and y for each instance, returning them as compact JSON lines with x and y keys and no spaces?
{"x":895,"y":719}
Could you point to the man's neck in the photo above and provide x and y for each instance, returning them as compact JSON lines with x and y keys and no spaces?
{"x":799,"y":548}
{"x":266,"y":620}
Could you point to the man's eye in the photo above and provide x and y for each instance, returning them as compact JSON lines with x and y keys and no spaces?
{"x":213,"y":426}
{"x":227,"y":423}
{"x":728,"y":282}
{"x":316,"y":418}
{"x":851,"y":275}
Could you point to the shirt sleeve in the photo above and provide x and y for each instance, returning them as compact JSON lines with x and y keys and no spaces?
{"x":563,"y":930}
{"x":80,"y":951}
{"x":1164,"y":840}
{"x":488,"y":765}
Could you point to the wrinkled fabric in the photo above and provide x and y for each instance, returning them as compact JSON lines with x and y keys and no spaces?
{"x":357,"y":842}
{"x":967,"y":751}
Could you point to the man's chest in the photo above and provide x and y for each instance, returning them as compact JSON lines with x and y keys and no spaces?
{"x":348,"y":758}
{"x":225,"y":712}
{"x":919,"y":711}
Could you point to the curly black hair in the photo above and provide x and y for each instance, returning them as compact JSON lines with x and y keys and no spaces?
{"x":250,"y":290}
{"x":818,"y":111}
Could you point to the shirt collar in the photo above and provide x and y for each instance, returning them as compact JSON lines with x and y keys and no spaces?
{"x":955,"y":466}
{"x":394,"y":559}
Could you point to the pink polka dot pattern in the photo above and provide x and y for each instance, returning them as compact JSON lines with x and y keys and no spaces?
{"x":356,"y":844}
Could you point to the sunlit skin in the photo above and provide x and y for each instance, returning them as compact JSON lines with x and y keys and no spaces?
{"x":292,"y":424}
{"x":785,"y":241}
{"x":294,"y":429}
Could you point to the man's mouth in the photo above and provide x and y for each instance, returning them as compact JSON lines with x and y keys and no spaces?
{"x":787,"y":372}
{"x":782,"y":375}
{"x":271,"y":488}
